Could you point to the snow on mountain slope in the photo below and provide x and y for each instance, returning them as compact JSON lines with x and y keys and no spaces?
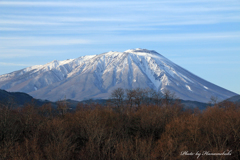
{"x":96,"y":76}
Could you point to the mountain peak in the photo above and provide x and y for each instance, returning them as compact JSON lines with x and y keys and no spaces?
{"x":137,"y":51}
{"x":140,"y":51}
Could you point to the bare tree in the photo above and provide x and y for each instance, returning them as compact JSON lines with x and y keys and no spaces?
{"x":138,"y":96}
{"x":146,"y":96}
{"x":156,"y":97}
{"x":168,"y":97}
{"x":130,"y":97}
{"x":213,"y":100}
{"x":62,"y":106}
{"x":46,"y":110}
{"x":117,"y":97}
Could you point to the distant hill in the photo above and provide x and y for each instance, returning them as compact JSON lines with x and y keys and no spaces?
{"x":18,"y":98}
{"x":194,"y":104}
{"x":234,"y":99}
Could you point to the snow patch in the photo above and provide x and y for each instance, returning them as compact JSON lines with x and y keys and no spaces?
{"x":164,"y":80}
{"x":185,"y":78}
{"x":188,"y":87}
{"x":65,"y":61}
{"x":205,"y":87}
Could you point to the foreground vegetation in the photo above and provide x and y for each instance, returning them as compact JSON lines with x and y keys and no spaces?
{"x":149,"y":131}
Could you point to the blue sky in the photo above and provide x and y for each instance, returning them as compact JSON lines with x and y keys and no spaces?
{"x":202,"y":36}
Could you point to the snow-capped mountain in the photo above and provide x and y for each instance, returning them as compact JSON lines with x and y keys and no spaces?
{"x":96,"y":76}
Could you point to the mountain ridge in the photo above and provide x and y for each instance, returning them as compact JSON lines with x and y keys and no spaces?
{"x":95,"y":76}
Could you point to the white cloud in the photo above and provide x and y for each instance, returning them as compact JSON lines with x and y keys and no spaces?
{"x":57,"y":20}
{"x":11,"y":29}
{"x":26,"y":22}
{"x":40,"y":41}
{"x":179,"y":6}
{"x":105,"y":3}
{"x":173,"y":37}
{"x":40,"y":4}
{"x":138,"y":13}
{"x":205,"y":60}
{"x":8,"y":53}
{"x":13,"y":64}
{"x":69,"y":3}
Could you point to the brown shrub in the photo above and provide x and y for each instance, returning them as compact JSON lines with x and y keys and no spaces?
{"x":97,"y":132}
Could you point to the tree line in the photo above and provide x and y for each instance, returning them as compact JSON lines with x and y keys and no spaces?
{"x":137,"y":97}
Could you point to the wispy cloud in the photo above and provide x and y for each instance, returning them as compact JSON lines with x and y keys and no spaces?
{"x":46,"y":4}
{"x":15,"y":42}
{"x":57,"y":20}
{"x":40,"y":41}
{"x":176,"y":37}
{"x":69,"y":3}
{"x":104,"y":3}
{"x":107,"y":13}
{"x":27,"y":22}
{"x":178,"y":6}
{"x":9,"y":52}
{"x":11,"y":29}
{"x":205,"y":60}
{"x":14,"y":64}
